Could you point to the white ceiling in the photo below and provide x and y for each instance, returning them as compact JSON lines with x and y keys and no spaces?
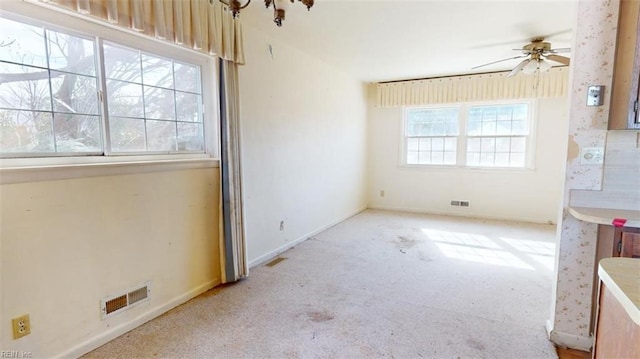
{"x":383,"y":40}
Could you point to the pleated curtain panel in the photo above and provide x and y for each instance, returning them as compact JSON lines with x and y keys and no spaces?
{"x":207,"y":27}
{"x":201,"y":25}
{"x":235,"y":264}
{"x":482,"y":87}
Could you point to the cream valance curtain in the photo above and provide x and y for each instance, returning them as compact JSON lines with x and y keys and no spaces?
{"x":202,"y":25}
{"x":482,"y":87}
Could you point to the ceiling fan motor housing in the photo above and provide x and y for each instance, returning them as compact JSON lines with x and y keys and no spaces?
{"x":539,"y":47}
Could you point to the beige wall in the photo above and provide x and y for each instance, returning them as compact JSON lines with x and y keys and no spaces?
{"x":304,"y":144}
{"x":527,"y":195}
{"x":66,"y":244}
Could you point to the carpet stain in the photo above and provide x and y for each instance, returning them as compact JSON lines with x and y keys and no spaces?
{"x":405,"y":242}
{"x":475,"y":344}
{"x":319,"y":317}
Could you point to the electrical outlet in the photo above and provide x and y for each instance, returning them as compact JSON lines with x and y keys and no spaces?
{"x":381,"y":193}
{"x":21,"y":326}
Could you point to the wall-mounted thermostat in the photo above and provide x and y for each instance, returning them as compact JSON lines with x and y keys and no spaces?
{"x":595,"y":96}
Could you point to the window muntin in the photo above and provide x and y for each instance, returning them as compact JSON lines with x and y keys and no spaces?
{"x":473,"y":135}
{"x":431,"y":136}
{"x":154,"y":105}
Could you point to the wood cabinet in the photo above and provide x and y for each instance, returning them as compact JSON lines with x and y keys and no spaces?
{"x":630,"y":245}
{"x":617,"y":335}
{"x":613,"y":242}
{"x":626,"y":74}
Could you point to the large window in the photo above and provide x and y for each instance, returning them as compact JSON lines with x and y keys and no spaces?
{"x":469,"y":135}
{"x":67,"y":94}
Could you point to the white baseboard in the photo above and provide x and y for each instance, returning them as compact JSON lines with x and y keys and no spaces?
{"x":119,"y":330}
{"x":269,"y":255}
{"x":566,"y":340}
{"x":462,"y":214}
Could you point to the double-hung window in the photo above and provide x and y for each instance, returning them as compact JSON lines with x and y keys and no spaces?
{"x":497,"y":135}
{"x":469,"y":135}
{"x":432,"y":136}
{"x":71,"y":94}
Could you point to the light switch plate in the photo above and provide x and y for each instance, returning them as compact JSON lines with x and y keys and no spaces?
{"x":592,"y":155}
{"x":595,"y":95}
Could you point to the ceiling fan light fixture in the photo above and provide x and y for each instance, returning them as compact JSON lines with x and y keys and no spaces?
{"x":531,"y":67}
{"x":544,"y":66}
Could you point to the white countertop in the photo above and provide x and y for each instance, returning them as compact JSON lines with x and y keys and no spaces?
{"x":606,"y":215}
{"x":622,"y":278}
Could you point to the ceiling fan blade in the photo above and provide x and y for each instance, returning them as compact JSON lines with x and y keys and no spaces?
{"x":518,"y":68}
{"x":557,"y":58}
{"x":495,"y":62}
{"x":560,"y":50}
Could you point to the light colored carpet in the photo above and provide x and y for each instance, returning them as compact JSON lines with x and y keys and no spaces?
{"x":379,"y":285}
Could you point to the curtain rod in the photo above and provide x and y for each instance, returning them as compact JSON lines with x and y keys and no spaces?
{"x":448,"y":76}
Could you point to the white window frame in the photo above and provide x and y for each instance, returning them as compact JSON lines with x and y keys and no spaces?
{"x":77,"y":25}
{"x":461,"y":149}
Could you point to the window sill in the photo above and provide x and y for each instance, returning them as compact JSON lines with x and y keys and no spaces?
{"x":84,"y":167}
{"x":466,"y":168}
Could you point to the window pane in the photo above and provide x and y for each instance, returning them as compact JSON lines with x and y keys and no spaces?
{"x":449,"y":158}
{"x":161,"y":135}
{"x":412,"y":144}
{"x":425,"y":144}
{"x":503,"y":144}
{"x":439,"y":129}
{"x":450,"y":144}
{"x":127,"y":135}
{"x":74,"y":93}
{"x":488,"y":128}
{"x":125,"y":99}
{"x":77,"y":133}
{"x":488,"y":145}
{"x":502,"y":160}
{"x":26,"y":131}
{"x":187,"y":77}
{"x":432,"y":122}
{"x":474,"y":128}
{"x":188,"y":107}
{"x":437,"y":144}
{"x":122,"y":64}
{"x":22,"y":43}
{"x":517,"y":160}
{"x":503,"y":128}
{"x":412,"y":157}
{"x":25,"y":88}
{"x":520,"y":128}
{"x":159,"y":103}
{"x":437,"y":157}
{"x":473,"y":159}
{"x":473,"y":145}
{"x":489,"y":113}
{"x":487,"y":159}
{"x":518,"y":144}
{"x":190,"y":137}
{"x":157,"y":71}
{"x":424,"y":158}
{"x":71,"y":54}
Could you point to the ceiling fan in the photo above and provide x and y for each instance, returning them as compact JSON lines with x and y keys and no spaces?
{"x":535,"y":53}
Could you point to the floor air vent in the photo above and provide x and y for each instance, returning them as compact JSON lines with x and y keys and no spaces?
{"x":115,"y":304}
